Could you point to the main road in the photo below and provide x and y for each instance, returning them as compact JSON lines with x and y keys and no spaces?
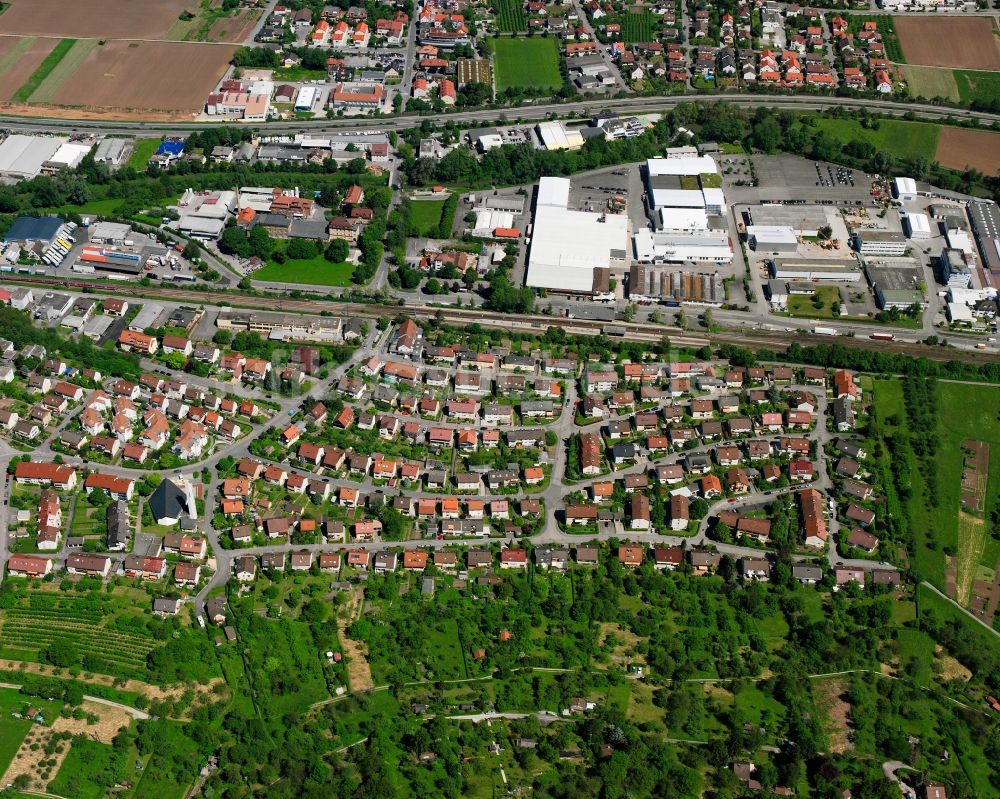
{"x":634,"y":105}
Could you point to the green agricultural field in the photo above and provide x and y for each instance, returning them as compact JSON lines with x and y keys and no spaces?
{"x":973,"y":86}
{"x":638,"y":27}
{"x":526,"y":63}
{"x":44,"y":69}
{"x":902,"y":139}
{"x":100,"y":632}
{"x":510,"y":17}
{"x":52,"y":81}
{"x":315,"y":271}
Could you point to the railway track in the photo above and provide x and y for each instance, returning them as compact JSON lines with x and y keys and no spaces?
{"x":537,"y":323}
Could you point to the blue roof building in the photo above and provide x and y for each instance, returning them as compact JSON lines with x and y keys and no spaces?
{"x":171,"y":148}
{"x":33,"y":228}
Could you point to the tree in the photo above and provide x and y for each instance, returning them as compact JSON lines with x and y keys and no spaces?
{"x":300,"y":249}
{"x":766,"y":135}
{"x":261,"y":243}
{"x":62,"y":653}
{"x":337,"y":251}
{"x":192,"y":250}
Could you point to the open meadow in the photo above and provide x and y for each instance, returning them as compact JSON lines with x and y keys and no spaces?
{"x":904,"y":139}
{"x":314,"y":271}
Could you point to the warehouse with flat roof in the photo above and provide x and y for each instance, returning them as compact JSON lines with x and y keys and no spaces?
{"x":573,"y":251}
{"x":22,"y":157}
{"x":27,"y":230}
{"x":985,"y":218}
{"x":895,"y":285}
{"x":840,"y":270}
{"x":111,"y":151}
{"x":772,"y":238}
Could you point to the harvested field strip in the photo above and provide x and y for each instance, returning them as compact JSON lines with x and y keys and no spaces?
{"x":931,"y":82}
{"x":44,"y":70}
{"x":16,"y":52}
{"x":66,"y":67}
{"x":965,"y":43}
{"x":963,"y":148}
{"x":14,"y":74}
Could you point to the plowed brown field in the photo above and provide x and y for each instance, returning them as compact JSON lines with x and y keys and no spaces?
{"x":961,"y":148}
{"x":96,"y":19}
{"x":963,"y":43}
{"x":25,"y":61}
{"x":168,"y":77}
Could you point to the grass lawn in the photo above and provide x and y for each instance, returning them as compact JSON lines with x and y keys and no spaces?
{"x":818,"y":306}
{"x":526,"y":63}
{"x":315,"y":271}
{"x":903,"y":139}
{"x":903,"y":612}
{"x":299,"y":74}
{"x":160,"y":783}
{"x":426,"y":216}
{"x":12,"y":732}
{"x":975,"y":85}
{"x":48,"y":64}
{"x":142,"y":151}
{"x":758,"y":707}
{"x":929,"y":602}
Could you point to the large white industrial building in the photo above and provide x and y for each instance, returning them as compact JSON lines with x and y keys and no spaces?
{"x":573,"y":251}
{"x":204,"y":214}
{"x":917,"y":226}
{"x":556,"y":136}
{"x":23,"y":157}
{"x":772,"y":238}
{"x":664,"y":246}
{"x":677,"y":183}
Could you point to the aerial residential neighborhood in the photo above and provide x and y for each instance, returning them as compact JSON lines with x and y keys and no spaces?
{"x":490,"y":398}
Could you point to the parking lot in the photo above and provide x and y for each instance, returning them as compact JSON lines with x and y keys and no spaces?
{"x":781,"y":178}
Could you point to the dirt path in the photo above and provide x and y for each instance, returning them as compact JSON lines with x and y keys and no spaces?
{"x":359,"y":673}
